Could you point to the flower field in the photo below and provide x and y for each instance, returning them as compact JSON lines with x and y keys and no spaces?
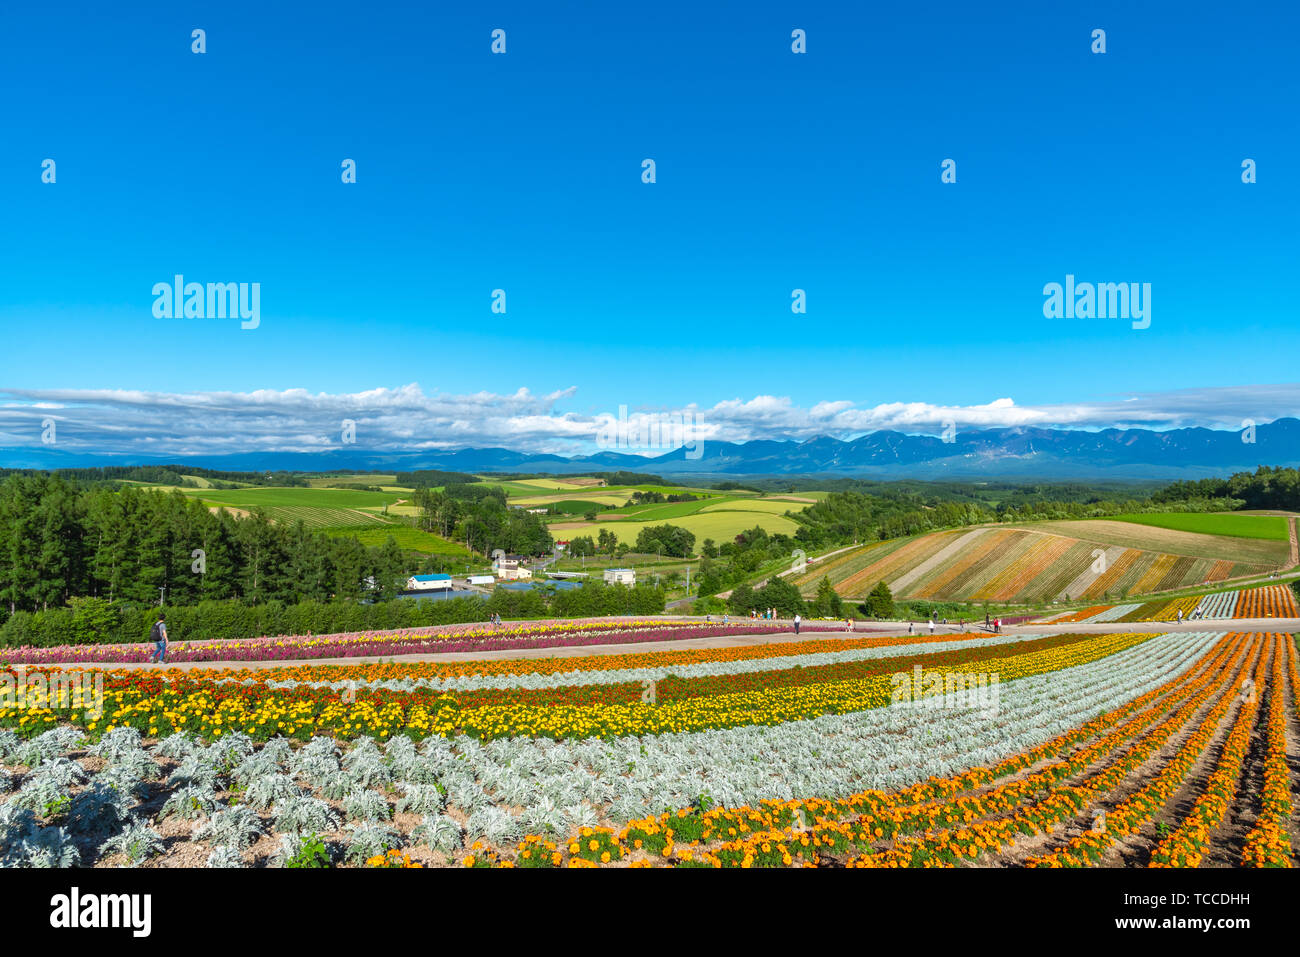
{"x":771,"y":754}
{"x":559,"y":633}
{"x":1269,"y":601}
{"x":1013,"y":564}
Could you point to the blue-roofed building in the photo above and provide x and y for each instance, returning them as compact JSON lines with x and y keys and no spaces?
{"x":428,"y":582}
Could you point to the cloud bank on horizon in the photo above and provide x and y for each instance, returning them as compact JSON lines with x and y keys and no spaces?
{"x":153,"y":424}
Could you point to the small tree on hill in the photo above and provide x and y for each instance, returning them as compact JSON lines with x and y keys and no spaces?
{"x":828,"y":603}
{"x":742,"y":599}
{"x":880,"y":603}
{"x":782,"y":595}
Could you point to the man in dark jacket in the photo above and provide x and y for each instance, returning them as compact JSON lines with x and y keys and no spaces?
{"x":158,"y":634}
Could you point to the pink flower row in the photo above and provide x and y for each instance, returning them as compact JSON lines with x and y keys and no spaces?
{"x":405,"y":642}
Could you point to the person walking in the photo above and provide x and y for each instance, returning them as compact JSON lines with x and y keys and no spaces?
{"x":797,"y":620}
{"x":909,"y":627}
{"x":932,"y":626}
{"x":158,"y":635}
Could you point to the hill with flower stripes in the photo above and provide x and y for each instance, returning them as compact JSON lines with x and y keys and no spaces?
{"x":1021,"y":564}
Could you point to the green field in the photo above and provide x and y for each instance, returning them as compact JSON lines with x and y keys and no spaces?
{"x":326,"y":508}
{"x":1270,"y":527}
{"x":279,"y":497}
{"x":377,"y":478}
{"x":601,"y":499}
{"x":721,"y":526}
{"x":411,"y":539}
{"x":770,"y":506}
{"x":714,"y":514}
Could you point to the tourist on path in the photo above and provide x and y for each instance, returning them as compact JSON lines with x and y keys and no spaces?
{"x":158,"y":634}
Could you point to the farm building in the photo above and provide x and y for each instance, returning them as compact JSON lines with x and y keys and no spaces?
{"x":428,"y":582}
{"x":620,"y":576}
{"x":510,"y":568}
{"x":481,"y":580}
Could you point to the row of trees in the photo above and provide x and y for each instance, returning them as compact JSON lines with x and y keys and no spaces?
{"x":1266,"y":487}
{"x":99,"y":621}
{"x":182,"y":475}
{"x":59,"y":541}
{"x":479,"y":516}
{"x":671,"y":540}
{"x":782,"y":595}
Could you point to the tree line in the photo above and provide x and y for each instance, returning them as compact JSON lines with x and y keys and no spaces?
{"x":479,"y":516}
{"x":59,"y":540}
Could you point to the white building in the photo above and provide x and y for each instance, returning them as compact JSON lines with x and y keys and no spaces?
{"x":481,"y":580}
{"x":511,"y":568}
{"x":620,"y":576}
{"x":428,"y":583}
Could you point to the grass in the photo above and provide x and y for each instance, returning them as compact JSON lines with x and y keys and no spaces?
{"x":410,"y":539}
{"x":315,"y":507}
{"x":769,"y":505}
{"x":272,"y":497}
{"x":719,"y":526}
{"x":597,"y":499}
{"x":1270,"y":527}
{"x":359,"y":478}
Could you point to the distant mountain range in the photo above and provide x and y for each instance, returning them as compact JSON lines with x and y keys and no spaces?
{"x":979,"y":453}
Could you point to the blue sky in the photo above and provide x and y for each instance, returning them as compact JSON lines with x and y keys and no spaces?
{"x":775,"y":171}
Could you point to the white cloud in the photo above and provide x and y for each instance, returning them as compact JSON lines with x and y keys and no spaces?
{"x":405,"y":418}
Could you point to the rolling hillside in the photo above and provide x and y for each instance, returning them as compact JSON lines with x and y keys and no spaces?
{"x":1039,"y":563}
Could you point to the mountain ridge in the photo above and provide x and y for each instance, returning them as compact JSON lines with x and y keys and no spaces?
{"x":1027,"y":452}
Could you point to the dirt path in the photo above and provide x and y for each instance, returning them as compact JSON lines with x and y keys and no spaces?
{"x":1295,"y":542}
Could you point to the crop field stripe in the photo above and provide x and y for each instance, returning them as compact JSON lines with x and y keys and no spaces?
{"x":835,"y":568}
{"x":1003,"y":802}
{"x":967,"y":572}
{"x":1040,"y":558}
{"x":860,"y":813}
{"x":1007,"y":565}
{"x":1126,"y":817}
{"x":1183,"y":847}
{"x":1155,"y":572}
{"x":1108,"y":758}
{"x":944,"y":580}
{"x":1267,"y":844}
{"x":991,"y":570}
{"x":1114,"y":570}
{"x":1057,"y":577}
{"x":887,"y":567}
{"x":900,"y":585}
{"x":1178,"y":574}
